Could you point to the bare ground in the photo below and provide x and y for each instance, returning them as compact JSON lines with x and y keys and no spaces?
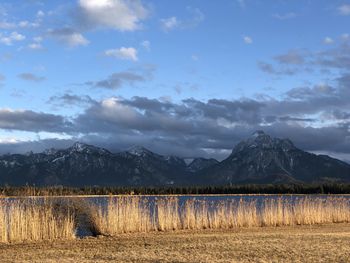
{"x":322,"y":243}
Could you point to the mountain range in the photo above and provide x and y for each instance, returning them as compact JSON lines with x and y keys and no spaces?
{"x":258,"y":159}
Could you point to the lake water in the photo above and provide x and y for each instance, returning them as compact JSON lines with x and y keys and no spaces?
{"x":212,"y":201}
{"x":103,"y":200}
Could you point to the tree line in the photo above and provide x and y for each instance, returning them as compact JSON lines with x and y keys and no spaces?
{"x":176,"y":190}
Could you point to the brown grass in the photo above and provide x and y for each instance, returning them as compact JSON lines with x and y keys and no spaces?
{"x":31,"y":221}
{"x":316,"y":243}
{"x":134,"y":214}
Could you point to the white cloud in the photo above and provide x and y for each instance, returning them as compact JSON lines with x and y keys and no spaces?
{"x":328,"y":41}
{"x":21,"y":24}
{"x":126,"y":53}
{"x":69,"y":37}
{"x":345,"y":36}
{"x":17,"y":37}
{"x":35,"y":46}
{"x":170,"y":23}
{"x":146,"y":44}
{"x":247,"y":40}
{"x":241,"y":3}
{"x":197,"y":18}
{"x":37,"y":39}
{"x":289,"y":15}
{"x":27,"y":24}
{"x":344,"y":9}
{"x":13,"y":37}
{"x":7,"y":25}
{"x":76,"y":39}
{"x":195,"y":57}
{"x":10,"y":140}
{"x":40,"y":13}
{"x":123,"y":15}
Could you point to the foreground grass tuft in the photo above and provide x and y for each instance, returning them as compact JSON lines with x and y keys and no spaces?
{"x":31,"y":220}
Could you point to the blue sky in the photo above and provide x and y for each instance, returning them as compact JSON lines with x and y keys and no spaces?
{"x":180,"y":77}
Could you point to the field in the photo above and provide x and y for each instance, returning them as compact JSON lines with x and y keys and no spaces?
{"x":320,"y":243}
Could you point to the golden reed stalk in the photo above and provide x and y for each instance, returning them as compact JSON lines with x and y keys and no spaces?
{"x":136,"y":214}
{"x":32,"y":221}
{"x":123,"y":215}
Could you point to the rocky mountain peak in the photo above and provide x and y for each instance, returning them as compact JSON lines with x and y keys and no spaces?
{"x":260,"y":138}
{"x":79,"y":147}
{"x":258,"y":133}
{"x":263,"y":159}
{"x":262,"y":141}
{"x":50,"y":151}
{"x":139,"y":150}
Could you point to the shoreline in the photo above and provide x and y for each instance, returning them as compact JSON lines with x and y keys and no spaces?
{"x":166,"y":195}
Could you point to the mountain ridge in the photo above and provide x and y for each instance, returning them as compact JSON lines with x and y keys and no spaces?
{"x":263,"y":159}
{"x":257,"y":159}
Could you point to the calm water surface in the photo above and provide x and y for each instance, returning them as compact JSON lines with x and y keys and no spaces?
{"x":103,"y":200}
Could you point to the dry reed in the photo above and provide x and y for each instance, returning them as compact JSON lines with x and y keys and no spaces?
{"x":32,"y":220}
{"x":123,"y":215}
{"x":135,"y":214}
{"x":43,"y":220}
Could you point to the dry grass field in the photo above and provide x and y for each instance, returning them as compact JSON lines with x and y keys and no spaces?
{"x":317,"y":243}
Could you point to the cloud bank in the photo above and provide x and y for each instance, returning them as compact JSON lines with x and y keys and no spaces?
{"x":316,"y":118}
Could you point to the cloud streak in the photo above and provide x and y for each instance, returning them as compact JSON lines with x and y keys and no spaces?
{"x":31,"y":77}
{"x":289,"y":15}
{"x":68,"y":36}
{"x":26,"y":120}
{"x":300,"y":60}
{"x":344,"y":9}
{"x":125,"y":78}
{"x":125,"y":53}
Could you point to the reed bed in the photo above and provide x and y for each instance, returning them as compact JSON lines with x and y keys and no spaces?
{"x":30,"y":220}
{"x":136,"y":214}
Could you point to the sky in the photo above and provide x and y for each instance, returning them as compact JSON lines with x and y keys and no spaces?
{"x":189,"y":78}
